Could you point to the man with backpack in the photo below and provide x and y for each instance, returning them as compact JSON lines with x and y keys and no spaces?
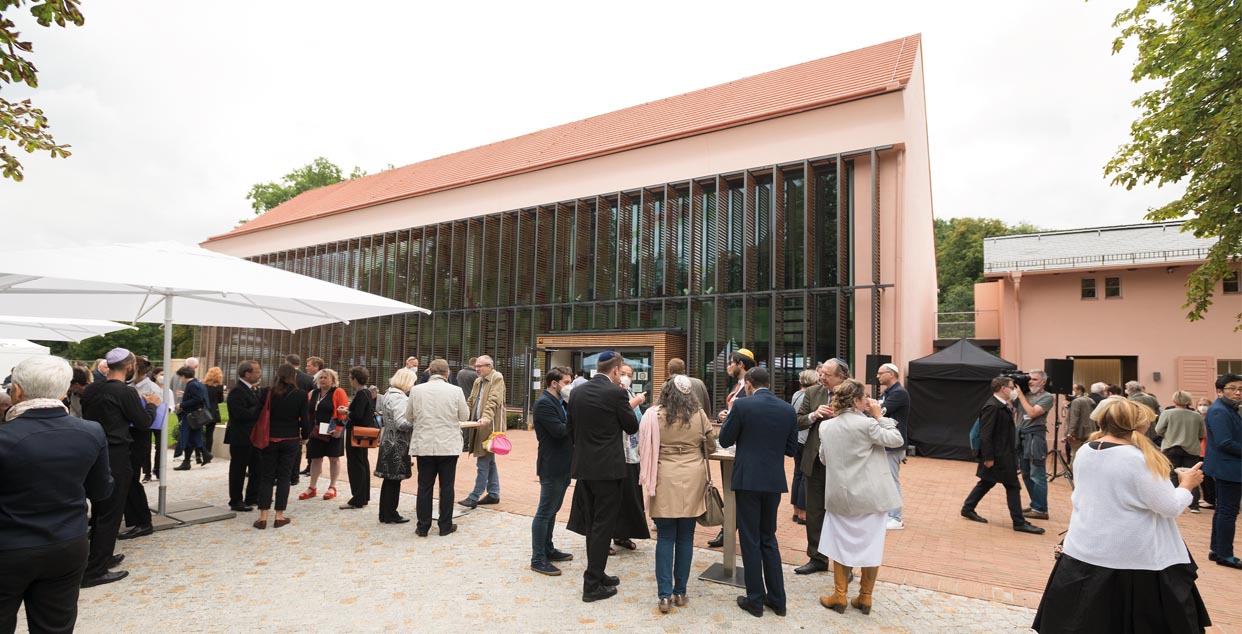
{"x":998,"y":460}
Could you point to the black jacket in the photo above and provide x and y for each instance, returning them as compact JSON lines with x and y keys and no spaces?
{"x":896,"y":403}
{"x":598,"y":413}
{"x":305,"y":382}
{"x":362,"y":409}
{"x":115,"y":406}
{"x":215,"y":396}
{"x":244,"y":405}
{"x":997,"y":438}
{"x":556,"y":450}
{"x":765,"y":429}
{"x":290,"y":415}
{"x":50,"y":463}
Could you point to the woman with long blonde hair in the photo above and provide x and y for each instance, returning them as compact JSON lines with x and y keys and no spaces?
{"x":1124,"y":567}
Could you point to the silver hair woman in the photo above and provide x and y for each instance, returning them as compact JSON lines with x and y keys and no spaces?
{"x":39,"y":382}
{"x":675,"y":438}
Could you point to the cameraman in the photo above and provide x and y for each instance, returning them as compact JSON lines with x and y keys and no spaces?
{"x":1033,"y":407}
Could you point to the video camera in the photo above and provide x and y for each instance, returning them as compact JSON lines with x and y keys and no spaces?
{"x":1020,"y":379}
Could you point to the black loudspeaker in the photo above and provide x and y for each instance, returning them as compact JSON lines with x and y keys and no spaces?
{"x":1060,"y":375}
{"x":874,"y":361}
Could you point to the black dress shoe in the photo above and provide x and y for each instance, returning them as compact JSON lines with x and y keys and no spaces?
{"x":250,"y":503}
{"x":604,"y":592}
{"x":468,"y":503}
{"x":811,"y":567}
{"x":398,"y":520}
{"x":1027,"y":527}
{"x":775,"y":610}
{"x":305,"y":471}
{"x":1229,"y":562}
{"x":745,"y":604}
{"x":422,"y":532}
{"x":560,"y":556}
{"x":115,"y":561}
{"x":350,"y":507}
{"x":718,"y":541}
{"x":611,"y":581}
{"x":448,"y":530}
{"x":241,"y":508}
{"x":137,"y":531}
{"x":107,"y":577}
{"x":971,"y":515}
{"x":488,"y":499}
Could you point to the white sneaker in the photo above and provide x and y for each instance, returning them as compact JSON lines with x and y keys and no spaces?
{"x":894,"y":525}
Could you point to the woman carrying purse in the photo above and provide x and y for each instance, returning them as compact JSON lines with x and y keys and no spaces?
{"x":190,"y":417}
{"x":328,"y":410}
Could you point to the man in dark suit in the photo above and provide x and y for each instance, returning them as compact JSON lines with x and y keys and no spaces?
{"x":556,"y":452}
{"x":466,"y":376}
{"x":740,"y":363}
{"x":765,"y":430}
{"x":998,"y":458}
{"x":895,"y":404}
{"x":599,"y":412}
{"x":305,"y":382}
{"x":244,"y":403}
{"x":816,"y":407}
{"x":50,"y":463}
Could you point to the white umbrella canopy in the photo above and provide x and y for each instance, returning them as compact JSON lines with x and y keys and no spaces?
{"x":53,"y":329}
{"x":170,"y":283}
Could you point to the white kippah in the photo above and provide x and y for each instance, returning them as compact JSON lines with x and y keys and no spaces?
{"x":890,"y":367}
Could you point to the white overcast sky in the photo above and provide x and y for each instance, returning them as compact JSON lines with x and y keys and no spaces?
{"x":174,"y":109}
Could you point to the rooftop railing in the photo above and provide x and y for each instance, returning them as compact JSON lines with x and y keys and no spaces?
{"x":1109,"y":259}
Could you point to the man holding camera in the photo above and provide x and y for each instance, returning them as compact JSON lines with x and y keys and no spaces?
{"x":1033,"y":407}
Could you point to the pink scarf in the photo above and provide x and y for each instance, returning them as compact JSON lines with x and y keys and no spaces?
{"x":649,"y":450}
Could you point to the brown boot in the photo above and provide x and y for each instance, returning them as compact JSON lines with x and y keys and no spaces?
{"x":841,"y":583}
{"x":863,"y":600}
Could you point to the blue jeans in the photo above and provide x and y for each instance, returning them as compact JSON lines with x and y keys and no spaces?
{"x":1225,"y":517}
{"x":895,"y":456}
{"x":551,"y":496}
{"x":488,"y":478}
{"x":1036,"y":481}
{"x":188,"y":439}
{"x":673,"y":555}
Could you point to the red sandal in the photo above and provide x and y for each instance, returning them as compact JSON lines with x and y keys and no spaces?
{"x":308,"y":494}
{"x":330,"y":494}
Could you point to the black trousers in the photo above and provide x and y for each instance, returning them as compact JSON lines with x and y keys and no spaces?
{"x":390,"y":497}
{"x":1013,"y":497}
{"x":278,"y":460}
{"x":431,"y":468}
{"x":106,"y":514}
{"x":761,"y":557}
{"x":601,"y":502}
{"x":140,"y":452}
{"x":244,"y":462}
{"x":358,"y":468}
{"x":159,"y":454}
{"x":814,"y":484}
{"x":1179,"y":457}
{"x":137,"y":507}
{"x":47,"y":579}
{"x":209,"y":437}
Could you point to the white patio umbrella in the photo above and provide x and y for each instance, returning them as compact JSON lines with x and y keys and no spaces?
{"x":181,"y":284}
{"x":54,"y":329}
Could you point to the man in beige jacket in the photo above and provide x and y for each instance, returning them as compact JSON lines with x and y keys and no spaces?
{"x":487,"y":405}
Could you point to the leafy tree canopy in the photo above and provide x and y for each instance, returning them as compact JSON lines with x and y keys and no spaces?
{"x":1191,"y":124}
{"x":147,"y":340}
{"x":317,"y":173}
{"x":959,"y":257}
{"x":20,"y":121}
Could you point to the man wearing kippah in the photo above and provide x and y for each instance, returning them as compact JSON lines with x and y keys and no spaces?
{"x":895,"y":404}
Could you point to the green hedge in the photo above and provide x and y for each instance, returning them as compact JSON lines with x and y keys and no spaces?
{"x":173,"y":425}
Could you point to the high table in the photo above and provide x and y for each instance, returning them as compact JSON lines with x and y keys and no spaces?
{"x":727,"y":572}
{"x":472,"y":424}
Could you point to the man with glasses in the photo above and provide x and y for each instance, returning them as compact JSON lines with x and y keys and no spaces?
{"x":895,"y":404}
{"x":816,"y":407}
{"x":487,"y":405}
{"x":1223,"y":462}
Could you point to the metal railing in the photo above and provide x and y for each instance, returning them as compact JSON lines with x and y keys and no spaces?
{"x":1111,"y":259}
{"x":958,"y":325}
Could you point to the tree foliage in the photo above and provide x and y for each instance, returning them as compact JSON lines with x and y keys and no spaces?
{"x":147,"y":340}
{"x":1190,"y":126}
{"x":20,"y":121}
{"x":959,"y":257}
{"x":317,"y":173}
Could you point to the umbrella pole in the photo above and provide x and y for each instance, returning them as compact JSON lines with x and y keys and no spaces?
{"x":165,"y":470}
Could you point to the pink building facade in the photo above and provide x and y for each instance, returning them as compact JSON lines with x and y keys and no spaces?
{"x":1111,"y":299}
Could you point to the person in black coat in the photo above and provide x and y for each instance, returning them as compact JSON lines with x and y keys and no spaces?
{"x":556,"y":452}
{"x":358,"y":459}
{"x":50,"y":463}
{"x":765,"y":429}
{"x":895,"y":404}
{"x":290,"y":425}
{"x":598,"y":414}
{"x":244,"y":403}
{"x":998,"y":459}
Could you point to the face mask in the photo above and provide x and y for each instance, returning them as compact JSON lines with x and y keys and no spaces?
{"x":1203,"y":409}
{"x":625,"y":381}
{"x":1013,"y":394}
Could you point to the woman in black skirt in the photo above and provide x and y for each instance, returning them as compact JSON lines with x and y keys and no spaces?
{"x":329,"y":409}
{"x":358,"y":459}
{"x":1124,"y":567}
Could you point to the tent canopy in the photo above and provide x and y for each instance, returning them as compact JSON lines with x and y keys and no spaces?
{"x":962,"y":361}
{"x":946,"y":391}
{"x":53,"y":329}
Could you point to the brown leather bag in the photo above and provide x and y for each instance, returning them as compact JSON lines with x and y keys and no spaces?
{"x":365,"y":437}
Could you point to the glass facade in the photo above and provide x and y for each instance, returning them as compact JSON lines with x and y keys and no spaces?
{"x":759,"y":259}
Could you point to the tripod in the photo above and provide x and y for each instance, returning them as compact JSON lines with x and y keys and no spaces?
{"x":1060,"y":461}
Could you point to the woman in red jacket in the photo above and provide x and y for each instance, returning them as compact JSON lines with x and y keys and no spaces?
{"x":327,"y":407}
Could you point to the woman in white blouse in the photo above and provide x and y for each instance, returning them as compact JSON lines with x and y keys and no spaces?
{"x":1124,"y":567}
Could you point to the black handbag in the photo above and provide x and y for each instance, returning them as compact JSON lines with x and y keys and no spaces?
{"x":199,"y":418}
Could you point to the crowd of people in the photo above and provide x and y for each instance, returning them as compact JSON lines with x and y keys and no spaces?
{"x":1136,"y":468}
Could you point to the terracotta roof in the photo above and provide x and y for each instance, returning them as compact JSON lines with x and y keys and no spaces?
{"x":865,"y":72}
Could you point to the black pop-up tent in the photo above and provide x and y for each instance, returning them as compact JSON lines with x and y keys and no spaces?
{"x":946,"y":391}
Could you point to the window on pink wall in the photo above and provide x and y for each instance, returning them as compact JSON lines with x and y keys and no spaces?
{"x":1088,"y":288}
{"x":1112,"y":287}
{"x":1231,"y":283}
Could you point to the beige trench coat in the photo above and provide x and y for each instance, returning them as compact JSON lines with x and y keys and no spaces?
{"x":682,"y":475}
{"x":492,"y":392}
